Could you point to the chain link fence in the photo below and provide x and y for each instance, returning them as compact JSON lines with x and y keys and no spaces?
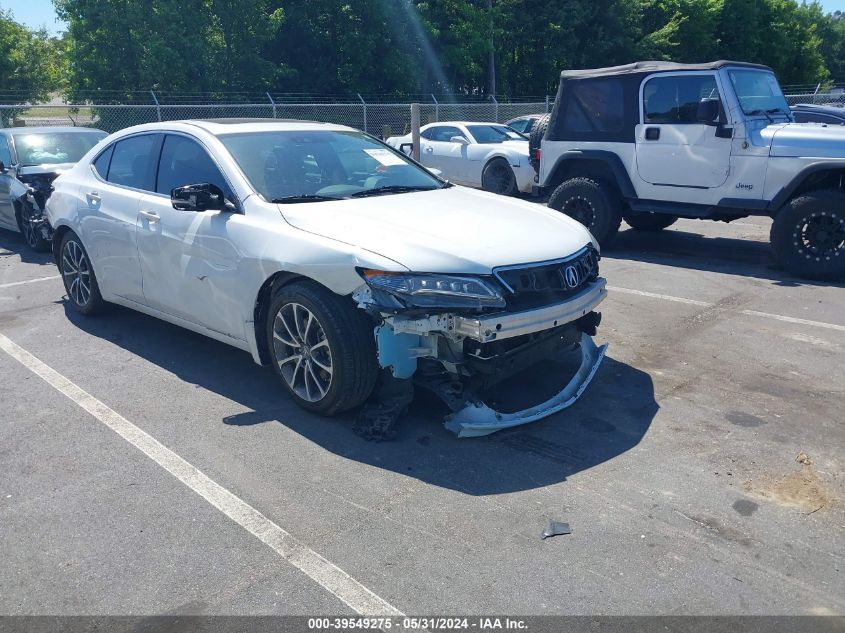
{"x":377,"y":118}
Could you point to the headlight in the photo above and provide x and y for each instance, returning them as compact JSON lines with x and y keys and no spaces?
{"x":429,"y":290}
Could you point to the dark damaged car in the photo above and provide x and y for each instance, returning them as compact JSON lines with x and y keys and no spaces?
{"x":30,"y":160}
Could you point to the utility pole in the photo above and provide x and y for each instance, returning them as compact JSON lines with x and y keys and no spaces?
{"x":492,"y":70}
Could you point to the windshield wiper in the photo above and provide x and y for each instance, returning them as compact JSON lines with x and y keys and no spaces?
{"x":788,"y":115}
{"x":763,"y":112}
{"x":378,"y":191}
{"x":306,"y":197}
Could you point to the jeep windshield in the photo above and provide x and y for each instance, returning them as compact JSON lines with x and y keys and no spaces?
{"x":322,"y":165}
{"x":53,"y":148}
{"x":758,"y":92}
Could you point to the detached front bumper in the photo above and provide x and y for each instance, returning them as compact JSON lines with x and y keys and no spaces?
{"x":477,"y":419}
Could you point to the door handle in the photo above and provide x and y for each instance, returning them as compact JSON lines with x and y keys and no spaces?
{"x":149,"y":215}
{"x":652,"y":133}
{"x":92,"y":197}
{"x":429,"y":149}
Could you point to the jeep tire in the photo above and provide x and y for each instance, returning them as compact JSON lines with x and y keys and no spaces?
{"x":808,"y":235}
{"x":594,"y":204}
{"x":649,"y":221}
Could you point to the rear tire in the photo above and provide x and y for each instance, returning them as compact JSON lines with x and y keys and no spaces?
{"x":498,"y":177}
{"x":808,"y":235}
{"x":649,"y":221}
{"x":592,"y":203}
{"x":535,"y":140}
{"x":329,"y":366}
{"x":78,"y":276}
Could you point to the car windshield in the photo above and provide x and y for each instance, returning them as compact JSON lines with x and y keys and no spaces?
{"x":53,"y":148}
{"x":316,"y":165}
{"x":486,"y":134}
{"x":758,"y":92}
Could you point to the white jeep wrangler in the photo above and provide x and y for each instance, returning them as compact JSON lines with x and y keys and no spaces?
{"x":654,"y":141}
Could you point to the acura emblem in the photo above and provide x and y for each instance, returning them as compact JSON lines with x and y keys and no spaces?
{"x":571,"y":276}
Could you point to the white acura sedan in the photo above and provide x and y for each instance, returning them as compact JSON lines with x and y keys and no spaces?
{"x":332,"y":257}
{"x":490,"y":156}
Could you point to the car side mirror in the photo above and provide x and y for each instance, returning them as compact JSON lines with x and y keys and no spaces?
{"x":199,"y":197}
{"x":459,"y":139}
{"x":708,"y":112}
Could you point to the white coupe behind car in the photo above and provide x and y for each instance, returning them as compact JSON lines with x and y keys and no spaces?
{"x":490,"y":156}
{"x":332,"y":257}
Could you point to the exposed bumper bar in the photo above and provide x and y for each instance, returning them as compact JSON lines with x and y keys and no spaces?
{"x":478,"y":419}
{"x":497,"y":327}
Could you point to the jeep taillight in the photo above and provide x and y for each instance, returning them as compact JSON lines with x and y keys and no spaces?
{"x":537,"y":153}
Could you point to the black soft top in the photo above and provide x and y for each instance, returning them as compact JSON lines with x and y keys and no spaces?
{"x":654,"y":67}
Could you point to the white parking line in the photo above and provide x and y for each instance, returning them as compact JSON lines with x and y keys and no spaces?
{"x":29,"y":281}
{"x":323,"y":572}
{"x":705,"y":304}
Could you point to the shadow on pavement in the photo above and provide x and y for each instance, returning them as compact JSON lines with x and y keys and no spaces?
{"x":14,"y":244}
{"x":695,"y":251}
{"x":610,"y":418}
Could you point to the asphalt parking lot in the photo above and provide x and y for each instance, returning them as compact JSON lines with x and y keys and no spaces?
{"x":701,"y":472}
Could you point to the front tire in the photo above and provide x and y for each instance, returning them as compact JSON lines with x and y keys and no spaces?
{"x":592,"y":203}
{"x":808,"y":235}
{"x":498,"y":177}
{"x":323,"y":348}
{"x":649,"y":221}
{"x":78,"y":277}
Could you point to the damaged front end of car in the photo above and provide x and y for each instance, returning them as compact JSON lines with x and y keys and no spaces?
{"x":30,"y":200}
{"x":460,"y":336}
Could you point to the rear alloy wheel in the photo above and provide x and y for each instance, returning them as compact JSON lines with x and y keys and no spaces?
{"x":31,"y":235}
{"x":322,"y":346}
{"x":498,"y":177}
{"x":808,"y":235}
{"x":591,"y":203}
{"x":78,"y":277}
{"x":649,"y":221}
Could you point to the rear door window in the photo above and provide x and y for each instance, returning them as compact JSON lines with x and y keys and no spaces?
{"x":134,"y":161}
{"x":595,"y":105}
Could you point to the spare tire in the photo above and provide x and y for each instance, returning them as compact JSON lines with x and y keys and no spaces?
{"x":535,"y":139}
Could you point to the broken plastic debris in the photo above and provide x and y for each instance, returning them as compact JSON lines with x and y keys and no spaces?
{"x":555,"y":528}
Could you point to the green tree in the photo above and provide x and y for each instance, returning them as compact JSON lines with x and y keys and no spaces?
{"x":29,"y":64}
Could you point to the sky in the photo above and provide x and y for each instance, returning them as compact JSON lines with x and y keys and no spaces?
{"x":38,"y":13}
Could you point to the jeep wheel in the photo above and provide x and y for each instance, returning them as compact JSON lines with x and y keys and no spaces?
{"x":592,"y":203}
{"x":808,"y":235}
{"x":535,"y":140}
{"x":498,"y":177}
{"x":323,"y":348}
{"x":649,"y":221}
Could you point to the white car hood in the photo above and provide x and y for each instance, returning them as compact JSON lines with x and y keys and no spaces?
{"x":805,"y":140}
{"x":452,"y":230}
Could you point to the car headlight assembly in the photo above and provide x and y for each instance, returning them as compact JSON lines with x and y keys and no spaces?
{"x":431,"y":290}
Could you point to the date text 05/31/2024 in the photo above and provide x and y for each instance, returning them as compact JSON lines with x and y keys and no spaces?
{"x":416,"y":623}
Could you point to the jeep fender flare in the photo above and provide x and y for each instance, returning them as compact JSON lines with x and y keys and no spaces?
{"x":610,"y":161}
{"x":788,"y":191}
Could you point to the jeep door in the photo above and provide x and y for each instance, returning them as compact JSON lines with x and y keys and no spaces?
{"x":674,"y":148}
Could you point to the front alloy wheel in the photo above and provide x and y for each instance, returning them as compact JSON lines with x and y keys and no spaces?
{"x":302,"y":352}
{"x":31,"y":234}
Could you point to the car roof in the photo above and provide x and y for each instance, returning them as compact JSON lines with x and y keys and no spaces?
{"x":46,"y":129}
{"x":221,"y":127}
{"x":464,"y":123}
{"x":655,"y":67}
